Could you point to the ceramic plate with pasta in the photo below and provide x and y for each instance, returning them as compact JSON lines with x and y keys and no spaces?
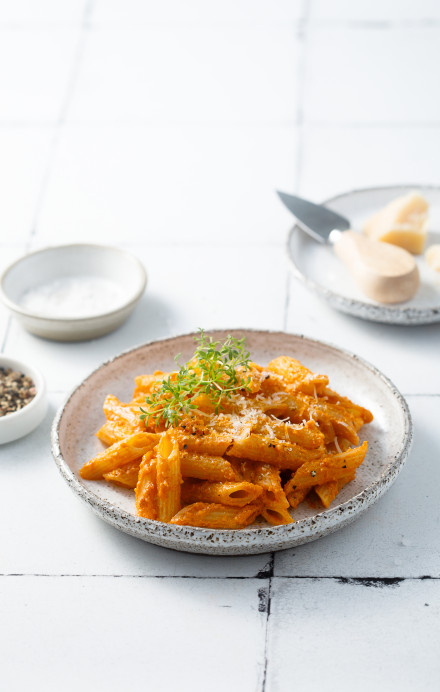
{"x":232,"y":442}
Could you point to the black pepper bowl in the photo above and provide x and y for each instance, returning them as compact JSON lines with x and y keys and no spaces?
{"x":22,"y":421}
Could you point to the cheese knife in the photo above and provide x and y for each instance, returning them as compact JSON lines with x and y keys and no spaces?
{"x":383,"y":272}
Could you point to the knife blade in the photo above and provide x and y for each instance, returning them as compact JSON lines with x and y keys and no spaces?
{"x":316,"y":220}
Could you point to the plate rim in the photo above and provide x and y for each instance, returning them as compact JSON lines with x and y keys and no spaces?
{"x":287,"y":535}
{"x":376,"y":312}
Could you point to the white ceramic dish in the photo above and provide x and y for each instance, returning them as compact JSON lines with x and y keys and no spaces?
{"x":319,"y":269}
{"x":389,"y":438}
{"x":69,"y":261}
{"x":22,"y":422}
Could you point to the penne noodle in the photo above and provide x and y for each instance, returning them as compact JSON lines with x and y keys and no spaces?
{"x":283,"y":455}
{"x":243,"y":468}
{"x":276,"y":515}
{"x":129,"y":414}
{"x":146,"y":488}
{"x":113,"y":431}
{"x":205,"y":467}
{"x":297,"y":377}
{"x":328,"y":491}
{"x":268,"y":477}
{"x":296,"y":496}
{"x":169,"y":477}
{"x":145,"y":384}
{"x":122,"y":452}
{"x":212,"y":443}
{"x":235,"y":494}
{"x":216,"y":516}
{"x":126,"y":476}
{"x":328,"y":469}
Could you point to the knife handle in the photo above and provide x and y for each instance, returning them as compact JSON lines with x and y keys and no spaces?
{"x":384,"y":272}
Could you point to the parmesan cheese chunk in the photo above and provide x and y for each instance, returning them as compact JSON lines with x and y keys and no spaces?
{"x":432,"y":256}
{"x":402,"y":222}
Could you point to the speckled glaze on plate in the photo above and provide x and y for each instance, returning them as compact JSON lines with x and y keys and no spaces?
{"x":389,"y":438}
{"x":318,"y":268}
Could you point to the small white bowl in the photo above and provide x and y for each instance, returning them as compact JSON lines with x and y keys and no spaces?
{"x":68,"y":261}
{"x":22,"y":422}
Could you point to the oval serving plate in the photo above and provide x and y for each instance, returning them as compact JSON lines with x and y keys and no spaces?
{"x":389,"y":438}
{"x":318,"y":268}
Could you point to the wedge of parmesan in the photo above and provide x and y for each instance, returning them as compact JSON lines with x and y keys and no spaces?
{"x":432,"y":257}
{"x":402,"y":222}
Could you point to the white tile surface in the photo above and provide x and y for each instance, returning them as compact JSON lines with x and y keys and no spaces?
{"x":160,"y":184}
{"x":24,"y":158}
{"x":118,"y":633}
{"x":182,"y":121}
{"x":353,"y":637}
{"x":197,"y":74}
{"x":397,"y":537}
{"x":337,"y":159}
{"x":197,"y":11}
{"x":50,"y":531}
{"x":39,"y":62}
{"x":42,"y":12}
{"x":8,"y":254}
{"x":374,"y":10}
{"x":183,"y":294}
{"x":385,"y":346}
{"x":379,"y":82}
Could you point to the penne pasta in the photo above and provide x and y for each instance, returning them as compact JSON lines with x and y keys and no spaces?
{"x":113,"y":431}
{"x":296,"y":495}
{"x":169,"y":477}
{"x":328,"y":469}
{"x":297,"y":377}
{"x":206,"y":467}
{"x":129,"y":449}
{"x":328,"y":491}
{"x":276,"y":515}
{"x":211,"y":444}
{"x":283,"y":455}
{"x":235,"y":494}
{"x":123,"y":413}
{"x":268,"y":477}
{"x":146,"y":488}
{"x":126,"y":476}
{"x":216,"y":516}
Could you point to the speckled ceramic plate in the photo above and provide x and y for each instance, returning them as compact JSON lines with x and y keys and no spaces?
{"x":389,"y":438}
{"x":317,"y":266}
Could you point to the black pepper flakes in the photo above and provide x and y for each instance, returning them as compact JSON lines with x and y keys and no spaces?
{"x":313,"y":473}
{"x":16,"y":391}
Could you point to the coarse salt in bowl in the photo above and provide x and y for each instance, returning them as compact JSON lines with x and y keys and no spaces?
{"x":73,"y":292}
{"x":21,"y":422}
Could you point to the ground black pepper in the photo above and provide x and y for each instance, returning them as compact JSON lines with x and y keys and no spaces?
{"x":16,"y":390}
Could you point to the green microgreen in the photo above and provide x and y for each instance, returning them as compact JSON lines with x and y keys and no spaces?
{"x":211,"y":371}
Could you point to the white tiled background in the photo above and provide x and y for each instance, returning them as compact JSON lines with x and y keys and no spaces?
{"x":165,"y":127}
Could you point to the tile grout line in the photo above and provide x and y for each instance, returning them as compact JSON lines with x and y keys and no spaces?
{"x":301,"y":74}
{"x":269,"y":571}
{"x":367,"y":581}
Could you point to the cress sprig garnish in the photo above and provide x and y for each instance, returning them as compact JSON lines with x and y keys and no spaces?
{"x":211,"y":371}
